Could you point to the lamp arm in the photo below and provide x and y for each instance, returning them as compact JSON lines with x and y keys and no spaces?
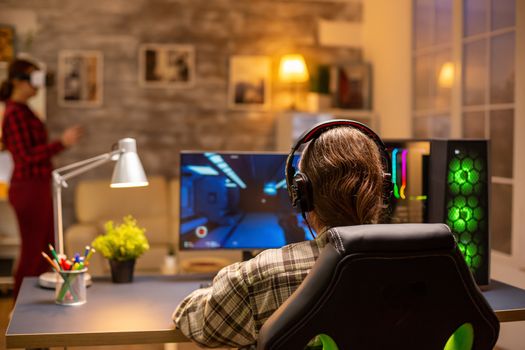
{"x":59,"y":181}
{"x":82,"y":162}
{"x":84,"y":169}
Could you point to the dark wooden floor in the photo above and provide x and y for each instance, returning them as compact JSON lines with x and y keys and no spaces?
{"x":6,"y":304}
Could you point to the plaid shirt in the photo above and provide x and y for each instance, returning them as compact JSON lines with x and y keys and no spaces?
{"x":25,"y":136}
{"x":244,"y":295}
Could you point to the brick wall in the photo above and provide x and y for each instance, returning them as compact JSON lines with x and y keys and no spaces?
{"x":165,"y":121}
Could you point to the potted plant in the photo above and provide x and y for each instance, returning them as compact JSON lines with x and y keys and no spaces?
{"x":122,"y":245}
{"x":170,"y":262}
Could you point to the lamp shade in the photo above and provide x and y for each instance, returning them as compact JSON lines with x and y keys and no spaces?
{"x":446,"y":75}
{"x":292,"y":69}
{"x":128,"y":171}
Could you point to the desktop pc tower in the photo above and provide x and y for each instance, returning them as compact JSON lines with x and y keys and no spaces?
{"x":446,"y":181}
{"x":460,"y":197}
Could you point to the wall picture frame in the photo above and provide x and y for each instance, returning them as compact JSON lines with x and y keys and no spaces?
{"x":351,"y":86}
{"x":7,"y":43}
{"x":166,"y":65}
{"x":4,"y":70}
{"x":249,"y":82}
{"x":80,"y":78}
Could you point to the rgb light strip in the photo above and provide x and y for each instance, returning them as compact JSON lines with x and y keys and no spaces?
{"x":399,"y":193}
{"x":403,"y":173}
{"x":394,"y":172}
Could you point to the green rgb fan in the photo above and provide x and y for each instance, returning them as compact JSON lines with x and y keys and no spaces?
{"x":466,"y":216}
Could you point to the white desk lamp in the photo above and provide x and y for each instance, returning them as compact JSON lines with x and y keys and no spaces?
{"x":128,"y":172}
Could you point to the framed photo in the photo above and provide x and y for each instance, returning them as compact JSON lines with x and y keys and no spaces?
{"x":4,"y":71}
{"x":7,"y":43}
{"x":249,"y":84}
{"x":166,"y":65}
{"x":80,"y":78}
{"x":352,"y":86}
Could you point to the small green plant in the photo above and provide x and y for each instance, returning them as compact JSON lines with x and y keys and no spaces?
{"x":122,"y":242}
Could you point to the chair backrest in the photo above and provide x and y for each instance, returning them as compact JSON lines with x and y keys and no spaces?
{"x":96,"y":203}
{"x":403,"y":286}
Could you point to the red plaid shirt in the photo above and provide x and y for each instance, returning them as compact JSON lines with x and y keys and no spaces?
{"x":25,"y":136}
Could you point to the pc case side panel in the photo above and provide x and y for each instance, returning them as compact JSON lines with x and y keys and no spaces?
{"x":438,"y":181}
{"x":467,"y":203}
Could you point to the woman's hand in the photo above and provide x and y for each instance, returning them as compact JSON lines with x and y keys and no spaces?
{"x":72,"y":135}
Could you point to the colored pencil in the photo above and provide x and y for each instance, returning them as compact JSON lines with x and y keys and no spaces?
{"x":53,"y":264}
{"x":55,"y":256}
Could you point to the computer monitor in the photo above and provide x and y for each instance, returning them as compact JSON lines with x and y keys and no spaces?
{"x":236,"y":201}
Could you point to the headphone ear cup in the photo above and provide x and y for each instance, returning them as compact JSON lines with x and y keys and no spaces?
{"x":302,"y":198}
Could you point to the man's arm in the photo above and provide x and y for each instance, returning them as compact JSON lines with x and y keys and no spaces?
{"x":219,"y":315}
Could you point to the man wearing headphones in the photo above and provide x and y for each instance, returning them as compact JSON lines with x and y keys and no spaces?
{"x":343,"y":180}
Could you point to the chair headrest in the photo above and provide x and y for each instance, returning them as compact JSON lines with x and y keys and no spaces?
{"x":389,"y":238}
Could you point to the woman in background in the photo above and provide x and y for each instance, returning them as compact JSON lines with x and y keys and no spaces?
{"x":25,"y":137}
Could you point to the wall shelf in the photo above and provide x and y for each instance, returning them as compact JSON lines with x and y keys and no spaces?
{"x":291,"y":124}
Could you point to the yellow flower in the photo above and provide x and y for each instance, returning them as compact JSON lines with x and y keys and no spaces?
{"x":125,"y":241}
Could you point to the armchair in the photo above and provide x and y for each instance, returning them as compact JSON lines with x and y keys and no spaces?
{"x":402,"y":286}
{"x":96,"y":202}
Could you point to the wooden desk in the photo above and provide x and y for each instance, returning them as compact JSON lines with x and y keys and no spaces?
{"x":140,"y":312}
{"x":507,"y":301}
{"x":115,"y":314}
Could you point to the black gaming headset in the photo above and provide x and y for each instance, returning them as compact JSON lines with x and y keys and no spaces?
{"x":298,"y":184}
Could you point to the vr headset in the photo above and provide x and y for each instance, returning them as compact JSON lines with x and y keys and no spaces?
{"x":36,"y":78}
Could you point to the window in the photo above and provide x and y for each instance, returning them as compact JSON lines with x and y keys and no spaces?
{"x":433,"y":68}
{"x":487,"y":55}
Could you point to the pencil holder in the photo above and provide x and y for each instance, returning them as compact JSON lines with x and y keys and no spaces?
{"x":70,"y":287}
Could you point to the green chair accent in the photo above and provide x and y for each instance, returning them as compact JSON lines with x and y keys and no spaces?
{"x":328,"y":342}
{"x":461,"y":339}
{"x":322,"y":342}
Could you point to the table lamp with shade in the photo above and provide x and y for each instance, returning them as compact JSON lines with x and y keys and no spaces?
{"x":292,"y":70}
{"x":128,"y":172}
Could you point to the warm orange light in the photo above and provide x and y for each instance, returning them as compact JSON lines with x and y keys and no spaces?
{"x":3,"y":190}
{"x":292,"y":69}
{"x":446,"y":75}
